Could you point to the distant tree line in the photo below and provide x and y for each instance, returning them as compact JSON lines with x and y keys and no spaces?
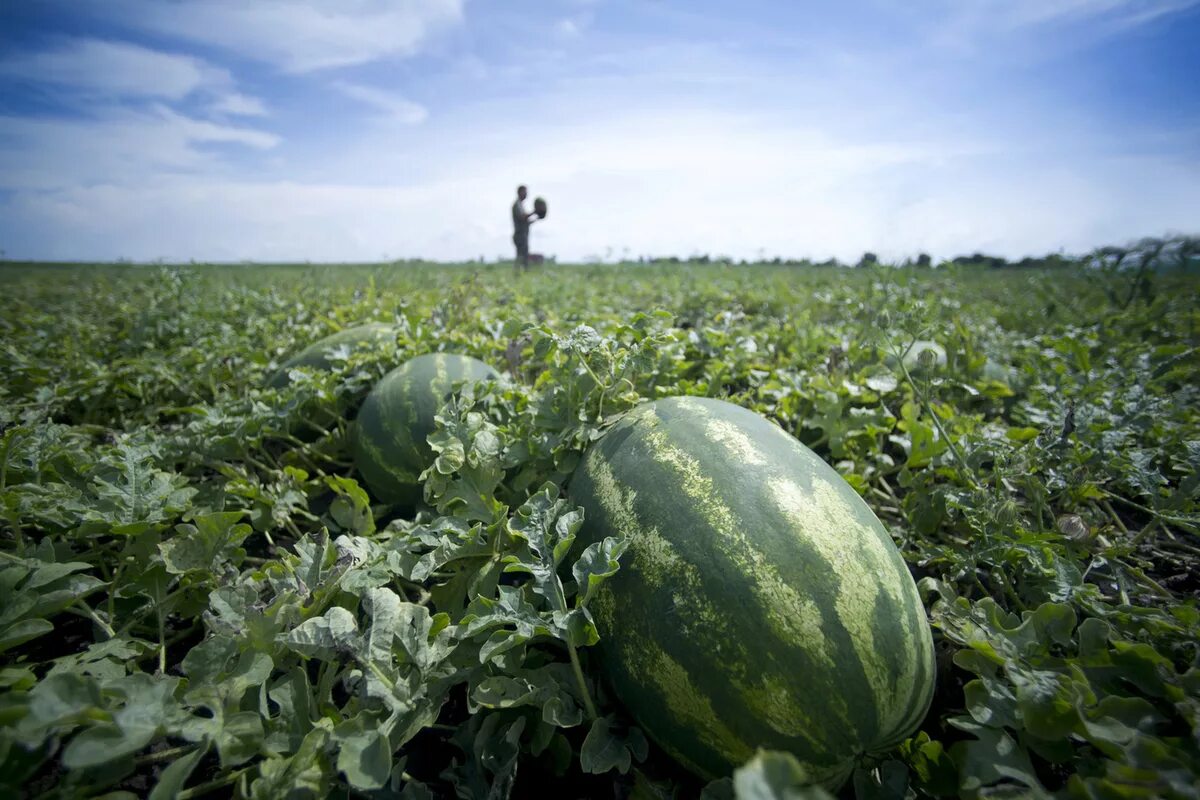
{"x":1152,"y":254}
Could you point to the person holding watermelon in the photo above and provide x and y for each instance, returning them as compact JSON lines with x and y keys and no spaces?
{"x":521,"y":222}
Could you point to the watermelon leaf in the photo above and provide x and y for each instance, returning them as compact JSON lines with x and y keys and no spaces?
{"x":773,"y":775}
{"x":611,"y":745}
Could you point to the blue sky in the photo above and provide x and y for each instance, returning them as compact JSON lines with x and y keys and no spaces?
{"x":365,"y":129}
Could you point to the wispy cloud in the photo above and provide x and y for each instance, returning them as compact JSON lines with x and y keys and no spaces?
{"x":118,"y":148}
{"x":99,"y":75}
{"x":567,"y":27}
{"x":966,"y":25}
{"x":300,"y":35}
{"x":1021,"y":13}
{"x":236,"y":104}
{"x":651,"y":182}
{"x":115,"y":69}
{"x":393,"y":106}
{"x":652,"y":126}
{"x":574,"y":25}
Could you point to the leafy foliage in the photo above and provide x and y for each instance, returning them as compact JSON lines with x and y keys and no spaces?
{"x":197,"y":597}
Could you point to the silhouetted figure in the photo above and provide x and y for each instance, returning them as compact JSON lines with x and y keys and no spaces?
{"x":522,"y":219}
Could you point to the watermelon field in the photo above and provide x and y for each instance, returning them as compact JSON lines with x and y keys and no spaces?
{"x":652,"y":531}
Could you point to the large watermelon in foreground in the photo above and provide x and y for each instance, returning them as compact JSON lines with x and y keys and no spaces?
{"x":317,"y":355}
{"x":760,"y":602}
{"x":389,"y":444}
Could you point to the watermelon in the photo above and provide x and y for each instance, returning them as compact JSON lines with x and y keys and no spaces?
{"x":317,"y":356}
{"x":388,"y":442}
{"x":760,"y":602}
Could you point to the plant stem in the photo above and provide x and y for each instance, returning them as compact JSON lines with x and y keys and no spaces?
{"x":291,"y":526}
{"x":1121,"y":587}
{"x":588,"y":706}
{"x":109,"y":633}
{"x":1107,"y":506}
{"x":383,"y":678}
{"x":1178,"y":522}
{"x":164,"y":755}
{"x":1147,"y":580}
{"x":205,"y":788}
{"x":560,"y":600}
{"x":162,"y":640}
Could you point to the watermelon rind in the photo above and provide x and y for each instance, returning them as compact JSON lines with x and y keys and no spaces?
{"x":760,"y":603}
{"x":317,"y":356}
{"x":389,"y":436}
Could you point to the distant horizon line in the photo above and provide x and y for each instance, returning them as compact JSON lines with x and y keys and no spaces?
{"x":1190,"y":242}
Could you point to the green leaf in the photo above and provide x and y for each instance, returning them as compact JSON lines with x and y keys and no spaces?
{"x":931,"y":765}
{"x":239,"y":738}
{"x":1048,"y":702}
{"x":364,"y":754}
{"x":59,"y":699}
{"x":991,"y":702}
{"x":581,"y":628}
{"x":546,"y":526}
{"x":49,"y":573}
{"x":772,"y":775}
{"x":236,"y":611}
{"x":23,"y":631}
{"x":492,"y":743}
{"x":208,"y":661}
{"x":468,"y":469}
{"x":100,"y":745}
{"x":197,"y":547}
{"x":509,"y":609}
{"x":149,"y":706}
{"x":352,"y":508}
{"x":175,"y":776}
{"x":293,"y":694}
{"x":992,"y":756}
{"x":107,"y":661}
{"x":304,"y":775}
{"x":609,"y":746}
{"x":424,"y":637}
{"x":129,"y":490}
{"x":384,"y":608}
{"x":598,"y":562}
{"x":549,"y":688}
{"x":321,"y":637}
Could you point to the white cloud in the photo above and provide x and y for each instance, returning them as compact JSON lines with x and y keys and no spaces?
{"x":392,"y":105}
{"x":239,"y":105}
{"x":571,"y":27}
{"x":1021,"y":13}
{"x":300,"y":36}
{"x":655,"y":183}
{"x":964,"y":24}
{"x":115,"y":69}
{"x":719,"y":150}
{"x":105,"y":74}
{"x":121,"y":148}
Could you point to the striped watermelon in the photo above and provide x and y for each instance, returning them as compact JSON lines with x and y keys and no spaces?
{"x":760,"y":602}
{"x":389,"y":444}
{"x":316,"y":356}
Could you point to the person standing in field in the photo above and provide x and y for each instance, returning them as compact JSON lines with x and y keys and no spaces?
{"x":522,"y":219}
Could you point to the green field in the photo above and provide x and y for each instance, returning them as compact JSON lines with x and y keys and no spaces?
{"x":192,"y":580}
